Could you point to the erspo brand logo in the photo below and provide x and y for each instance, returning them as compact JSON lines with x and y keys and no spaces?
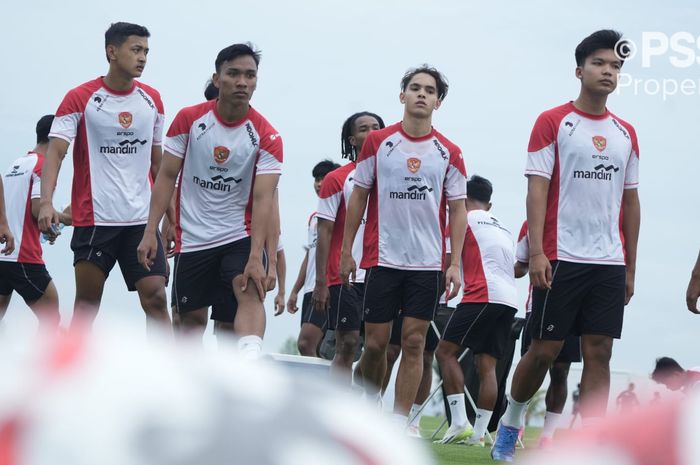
{"x":221,"y":154}
{"x":599,"y":142}
{"x":413,"y":164}
{"x":125,"y":119}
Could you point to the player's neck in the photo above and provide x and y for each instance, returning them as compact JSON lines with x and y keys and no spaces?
{"x":231,"y":112}
{"x":590,"y":103}
{"x":416,"y":127}
{"x":118,"y":81}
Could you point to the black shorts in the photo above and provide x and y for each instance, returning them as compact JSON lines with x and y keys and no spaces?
{"x":570,"y":351}
{"x":310,"y":315}
{"x":345,"y":313}
{"x":484,"y":328}
{"x":29,"y":280}
{"x":584,"y":299}
{"x":387,"y":290}
{"x":202,"y":278}
{"x":106,"y":245}
{"x":431,"y":339}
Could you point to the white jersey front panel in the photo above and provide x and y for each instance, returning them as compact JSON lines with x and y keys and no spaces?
{"x":220,"y":162}
{"x":114,"y":133}
{"x":311,"y":238}
{"x":411,"y":181}
{"x":21,"y":184}
{"x":589,"y":160}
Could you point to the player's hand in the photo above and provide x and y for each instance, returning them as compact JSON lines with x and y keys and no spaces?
{"x":348,"y":269}
{"x":453,"y":281}
{"x":66,"y":216}
{"x":168,"y":235}
{"x":693,"y":293}
{"x":292,"y":303}
{"x":6,"y":238}
{"x":255,"y":272}
{"x":147,"y":250}
{"x":629,"y":286}
{"x":271,"y":279}
{"x":540,"y":271}
{"x":48,"y":216}
{"x":321,"y":298}
{"x":279,"y":304}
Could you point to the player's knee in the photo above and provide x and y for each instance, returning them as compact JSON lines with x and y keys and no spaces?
{"x":155,"y":302}
{"x":597,"y":350}
{"x":374,"y":347}
{"x":559,"y":374}
{"x":305,"y":346}
{"x":195,"y":318}
{"x":347,"y":344}
{"x":413,"y":344}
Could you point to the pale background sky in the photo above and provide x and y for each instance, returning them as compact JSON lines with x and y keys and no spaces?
{"x":323,"y":60}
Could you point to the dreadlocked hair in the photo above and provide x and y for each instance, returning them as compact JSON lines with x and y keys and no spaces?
{"x":346,"y":148}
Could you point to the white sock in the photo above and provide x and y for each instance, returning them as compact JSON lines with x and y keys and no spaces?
{"x":551,"y":423}
{"x":514,"y":415}
{"x":416,"y":418}
{"x":458,"y":412}
{"x":250,"y":347}
{"x":482,"y":422}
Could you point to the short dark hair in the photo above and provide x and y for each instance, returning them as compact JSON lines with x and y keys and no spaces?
{"x":211,"y":92}
{"x":603,"y":39}
{"x":237,"y":50}
{"x":323,"y":167}
{"x":348,"y":150}
{"x":117,"y":33}
{"x":441,"y":81}
{"x":43,"y":127}
{"x":479,"y":189}
{"x":665,"y":366}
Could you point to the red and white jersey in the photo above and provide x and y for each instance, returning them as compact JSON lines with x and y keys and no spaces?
{"x":312,"y":237}
{"x":522,"y":254}
{"x":114,"y":133}
{"x":220,"y":162}
{"x":22,"y":183}
{"x":487,"y":261}
{"x":589,"y":160}
{"x":410,"y":181}
{"x":332,"y":204}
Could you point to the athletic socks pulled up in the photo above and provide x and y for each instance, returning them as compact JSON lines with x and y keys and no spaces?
{"x":250,"y":347}
{"x":551,"y":423}
{"x":483,"y":417}
{"x":514,"y":415}
{"x":458,"y":411}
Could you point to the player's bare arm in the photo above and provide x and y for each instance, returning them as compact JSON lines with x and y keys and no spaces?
{"x":272,"y":238}
{"x":321,"y":295}
{"x":631,"y":218}
{"x":263,"y":199}
{"x":281,"y":277}
{"x":540,"y":268}
{"x":6,"y":236}
{"x":49,"y":175}
{"x":160,"y":199}
{"x":693,"y":292}
{"x":458,"y":229}
{"x":353,"y":218}
{"x":301,"y":277}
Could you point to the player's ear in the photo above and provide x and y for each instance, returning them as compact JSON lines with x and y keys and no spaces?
{"x":111,"y":51}
{"x":402,"y":98}
{"x":438,"y":103}
{"x":215,"y":80}
{"x":579,"y":72}
{"x":352,"y":140}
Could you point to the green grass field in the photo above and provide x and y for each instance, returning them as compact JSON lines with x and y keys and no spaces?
{"x":458,"y":454}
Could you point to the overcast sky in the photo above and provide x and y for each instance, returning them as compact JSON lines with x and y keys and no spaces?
{"x":323,"y":60}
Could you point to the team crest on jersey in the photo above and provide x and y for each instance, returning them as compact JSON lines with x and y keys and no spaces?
{"x":413,"y":165}
{"x":221,"y":154}
{"x":125,"y":119}
{"x":599,"y":143}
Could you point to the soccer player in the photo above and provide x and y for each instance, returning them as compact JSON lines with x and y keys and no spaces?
{"x":23,"y":270}
{"x":582,"y":171}
{"x":313,"y":322}
{"x":693,"y":292}
{"x":116,"y":124}
{"x":483,"y":319}
{"x":669,"y":373}
{"x":342,"y":304}
{"x":228,"y":160}
{"x":627,"y":400}
{"x":408,"y":172}
{"x":557,"y":391}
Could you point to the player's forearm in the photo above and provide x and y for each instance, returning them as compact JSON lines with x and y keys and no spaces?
{"x":458,"y":229}
{"x":49,"y":173}
{"x":156,"y":159}
{"x":3,"y":213}
{"x":353,"y":217}
{"x":301,"y":276}
{"x":537,"y":193}
{"x":520,"y":269}
{"x":323,"y":245}
{"x":631,"y":219}
{"x":261,"y":221}
{"x":695,"y":274}
{"x":281,"y":271}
